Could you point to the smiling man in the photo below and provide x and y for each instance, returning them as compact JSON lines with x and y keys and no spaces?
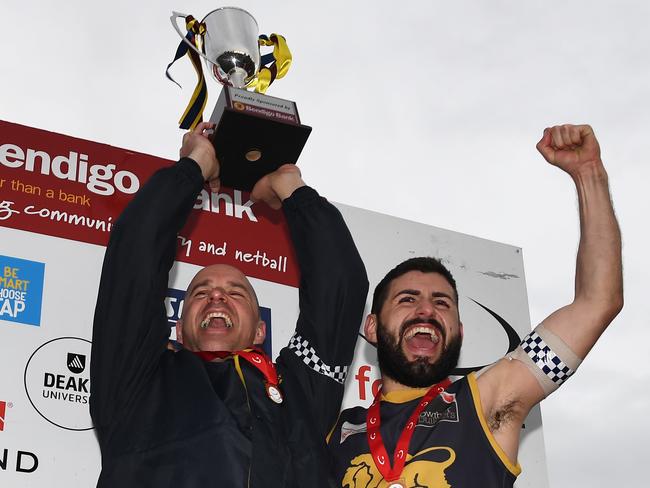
{"x":424,"y":431}
{"x":217,"y":411}
{"x":420,"y":295}
{"x":218,"y":297}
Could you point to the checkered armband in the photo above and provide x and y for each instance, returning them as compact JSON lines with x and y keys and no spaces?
{"x":548,"y":357}
{"x":304,"y":351}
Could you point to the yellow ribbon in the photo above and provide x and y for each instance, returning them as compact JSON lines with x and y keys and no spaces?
{"x":194,"y":112}
{"x":278,"y":69}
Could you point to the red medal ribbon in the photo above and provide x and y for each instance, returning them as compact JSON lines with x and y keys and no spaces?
{"x":262,"y":362}
{"x":212,"y":355}
{"x":376,"y":443}
{"x":255,"y":357}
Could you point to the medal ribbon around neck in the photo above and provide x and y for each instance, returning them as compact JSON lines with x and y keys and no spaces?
{"x":256,"y":358}
{"x":376,"y":442}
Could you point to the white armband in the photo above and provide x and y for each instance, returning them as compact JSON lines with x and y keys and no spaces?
{"x":548,"y":357}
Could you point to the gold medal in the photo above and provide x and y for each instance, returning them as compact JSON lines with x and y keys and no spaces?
{"x":274,"y":393}
{"x":400,"y":483}
{"x":263,"y":364}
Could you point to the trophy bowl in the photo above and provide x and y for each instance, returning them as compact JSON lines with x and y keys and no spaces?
{"x":228,"y":46}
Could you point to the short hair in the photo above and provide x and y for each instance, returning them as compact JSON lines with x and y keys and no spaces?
{"x":423,"y":264}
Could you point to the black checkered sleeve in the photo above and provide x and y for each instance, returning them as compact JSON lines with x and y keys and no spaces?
{"x":545,"y":359}
{"x":304,"y":351}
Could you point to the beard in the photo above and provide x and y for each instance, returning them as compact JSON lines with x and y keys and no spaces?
{"x":418,"y":373}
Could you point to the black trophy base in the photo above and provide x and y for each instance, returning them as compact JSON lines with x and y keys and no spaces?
{"x":252,"y":140}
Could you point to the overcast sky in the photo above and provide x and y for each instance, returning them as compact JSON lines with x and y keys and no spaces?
{"x":428,"y":111}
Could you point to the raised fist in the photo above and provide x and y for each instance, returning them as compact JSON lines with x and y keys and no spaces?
{"x":570,"y":147}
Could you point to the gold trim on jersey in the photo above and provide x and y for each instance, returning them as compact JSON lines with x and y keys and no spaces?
{"x":329,"y":435}
{"x":514,"y":469}
{"x":403,"y":396}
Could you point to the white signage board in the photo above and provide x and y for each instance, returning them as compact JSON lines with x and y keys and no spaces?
{"x":53,"y":228}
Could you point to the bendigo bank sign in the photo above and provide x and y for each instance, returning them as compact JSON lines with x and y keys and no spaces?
{"x":57,"y":187}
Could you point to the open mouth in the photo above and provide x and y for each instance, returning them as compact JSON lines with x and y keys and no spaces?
{"x":421,"y":338}
{"x":216,"y":320}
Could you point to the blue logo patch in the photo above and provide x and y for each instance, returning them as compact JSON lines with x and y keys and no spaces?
{"x":21,"y":290}
{"x":174,"y":306}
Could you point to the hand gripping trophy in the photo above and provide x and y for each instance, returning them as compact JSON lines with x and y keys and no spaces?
{"x":255,"y":133}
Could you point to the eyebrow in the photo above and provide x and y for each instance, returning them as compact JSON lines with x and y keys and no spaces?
{"x":234,"y":284}
{"x":435,"y":294}
{"x":197,"y":285}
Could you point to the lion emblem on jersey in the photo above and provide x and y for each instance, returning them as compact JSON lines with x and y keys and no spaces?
{"x":424,"y":470}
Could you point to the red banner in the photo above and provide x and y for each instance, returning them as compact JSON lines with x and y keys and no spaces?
{"x":66,"y":187}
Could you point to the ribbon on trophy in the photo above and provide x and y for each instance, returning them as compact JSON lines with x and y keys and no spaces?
{"x":194,"y":112}
{"x":274,"y":65}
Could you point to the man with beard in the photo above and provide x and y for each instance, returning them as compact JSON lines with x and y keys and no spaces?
{"x":424,"y":431}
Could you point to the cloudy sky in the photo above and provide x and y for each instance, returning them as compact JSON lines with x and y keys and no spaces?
{"x":428,"y":111}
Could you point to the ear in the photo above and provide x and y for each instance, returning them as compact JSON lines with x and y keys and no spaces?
{"x":260,"y":333}
{"x":460,"y":328}
{"x":370,"y":328}
{"x":179,"y":331}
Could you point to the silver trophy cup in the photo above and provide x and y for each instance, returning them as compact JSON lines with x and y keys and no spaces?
{"x":229,"y":46}
{"x":255,"y":133}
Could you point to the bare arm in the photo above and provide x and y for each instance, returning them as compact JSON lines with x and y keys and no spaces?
{"x":509,"y":390}
{"x":599,"y":277}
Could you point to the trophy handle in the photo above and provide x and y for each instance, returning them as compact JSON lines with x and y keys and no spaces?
{"x":173,"y":18}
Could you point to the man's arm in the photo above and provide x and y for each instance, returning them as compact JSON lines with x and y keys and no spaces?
{"x":599,"y":270}
{"x":333,"y":288}
{"x":130,"y":326}
{"x":509,"y":389}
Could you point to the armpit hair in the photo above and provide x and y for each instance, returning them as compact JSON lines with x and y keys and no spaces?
{"x":504,"y":414}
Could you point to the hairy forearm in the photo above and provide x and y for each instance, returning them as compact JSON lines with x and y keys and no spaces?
{"x":599,"y":279}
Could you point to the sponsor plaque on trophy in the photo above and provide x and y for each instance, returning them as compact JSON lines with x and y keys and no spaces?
{"x":255,"y":133}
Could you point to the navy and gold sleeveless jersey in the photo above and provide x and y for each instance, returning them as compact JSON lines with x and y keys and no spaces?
{"x":451,"y":447}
